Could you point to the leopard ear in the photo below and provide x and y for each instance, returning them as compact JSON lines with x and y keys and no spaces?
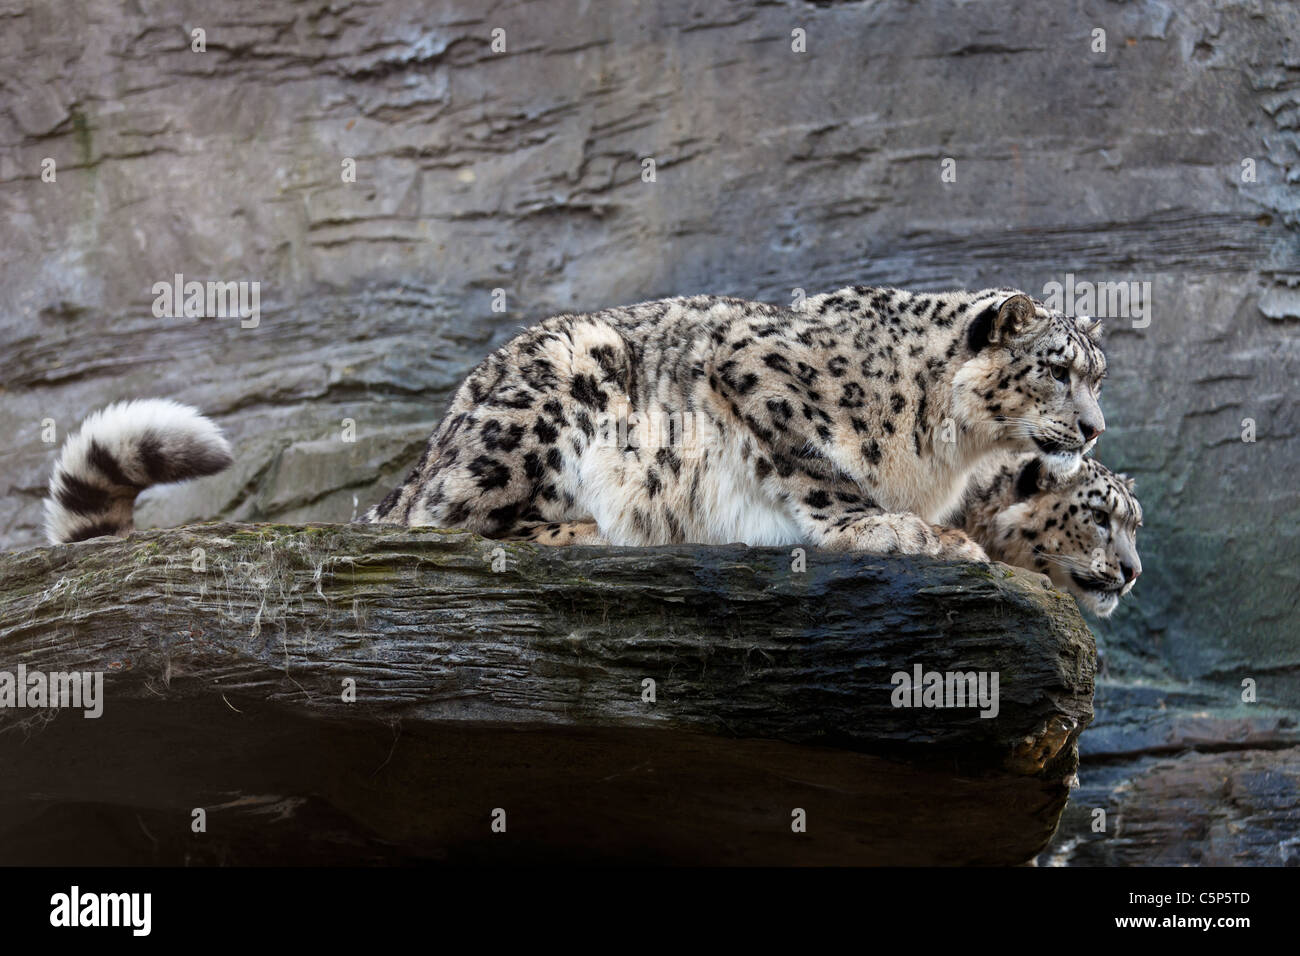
{"x":1033,"y":478}
{"x":1090,"y":327}
{"x":1015,"y":316}
{"x":1129,"y":483}
{"x":1000,"y":322}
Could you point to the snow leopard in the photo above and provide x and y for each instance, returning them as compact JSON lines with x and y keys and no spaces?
{"x":1080,"y":531}
{"x":849,"y":423}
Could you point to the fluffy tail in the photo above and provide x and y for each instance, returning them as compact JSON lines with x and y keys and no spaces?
{"x":120,"y":451}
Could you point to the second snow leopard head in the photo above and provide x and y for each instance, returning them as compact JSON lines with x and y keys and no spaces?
{"x":1033,"y":381}
{"x":1080,"y":531}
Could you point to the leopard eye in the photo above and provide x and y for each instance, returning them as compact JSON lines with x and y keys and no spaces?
{"x":1101,"y":517}
{"x":1061,"y":373}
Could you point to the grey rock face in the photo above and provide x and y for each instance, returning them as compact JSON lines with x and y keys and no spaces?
{"x":1171,"y":156}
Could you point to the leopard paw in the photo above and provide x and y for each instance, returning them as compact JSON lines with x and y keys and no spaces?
{"x":956,"y":545}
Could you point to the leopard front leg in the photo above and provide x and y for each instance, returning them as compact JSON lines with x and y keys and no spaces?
{"x":557,"y":533}
{"x":846,"y":520}
{"x":895,"y":533}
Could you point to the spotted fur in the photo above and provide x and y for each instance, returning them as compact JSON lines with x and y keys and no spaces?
{"x":1079,"y":531}
{"x":851,"y":423}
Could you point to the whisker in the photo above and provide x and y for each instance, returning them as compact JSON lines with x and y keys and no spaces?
{"x":1069,"y":561}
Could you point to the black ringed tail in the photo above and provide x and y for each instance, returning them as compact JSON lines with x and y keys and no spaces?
{"x":118,"y":452}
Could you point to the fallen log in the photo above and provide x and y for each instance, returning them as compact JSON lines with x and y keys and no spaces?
{"x":334,"y":693}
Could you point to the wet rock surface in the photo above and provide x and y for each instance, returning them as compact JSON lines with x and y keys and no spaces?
{"x":362,"y":694}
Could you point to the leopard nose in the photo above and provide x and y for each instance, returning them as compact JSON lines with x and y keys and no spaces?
{"x":1090,"y":431}
{"x":1130,"y":573}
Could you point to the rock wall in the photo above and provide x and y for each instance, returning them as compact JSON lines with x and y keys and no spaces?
{"x":1163,"y":150}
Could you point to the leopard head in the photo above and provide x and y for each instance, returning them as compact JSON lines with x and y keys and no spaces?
{"x":1031,"y":380}
{"x":1079,"y":531}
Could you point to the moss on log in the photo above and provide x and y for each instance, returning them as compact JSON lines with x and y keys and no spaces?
{"x":514,"y":677}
